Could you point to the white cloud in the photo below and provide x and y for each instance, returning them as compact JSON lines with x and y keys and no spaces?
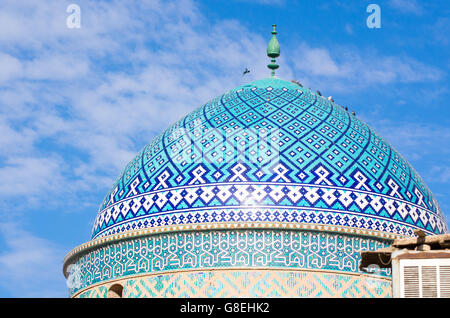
{"x":77,"y":104}
{"x":14,"y":141}
{"x":56,"y":67}
{"x":10,"y":67}
{"x":264,"y":2}
{"x":407,"y":6}
{"x":111,"y":78}
{"x":30,"y":266}
{"x":348,"y":28}
{"x":345,"y":69}
{"x":440,"y":30}
{"x":441,"y":173}
{"x":109,"y":81}
{"x":316,"y":61}
{"x":30,"y":176}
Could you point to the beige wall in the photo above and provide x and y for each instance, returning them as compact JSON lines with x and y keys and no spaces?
{"x":247,"y":283}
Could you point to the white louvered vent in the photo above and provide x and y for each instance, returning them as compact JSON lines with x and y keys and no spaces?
{"x":444,"y":278}
{"x":411,"y":279}
{"x":428,"y":278}
{"x":429,"y":282}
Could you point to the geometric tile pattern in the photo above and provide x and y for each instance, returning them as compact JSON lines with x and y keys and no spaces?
{"x":97,"y":292}
{"x":209,"y":250}
{"x":253,"y":283}
{"x":269,"y":202}
{"x":272,"y":145}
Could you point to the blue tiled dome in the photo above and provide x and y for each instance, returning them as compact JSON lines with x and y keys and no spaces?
{"x":270,"y":152}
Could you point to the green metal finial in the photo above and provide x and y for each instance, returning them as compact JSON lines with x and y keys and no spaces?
{"x":273,"y":50}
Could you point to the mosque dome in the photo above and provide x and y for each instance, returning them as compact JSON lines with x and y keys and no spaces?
{"x":270,"y":151}
{"x":267,"y":185}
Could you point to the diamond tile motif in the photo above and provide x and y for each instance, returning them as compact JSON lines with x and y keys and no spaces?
{"x":330,"y":162}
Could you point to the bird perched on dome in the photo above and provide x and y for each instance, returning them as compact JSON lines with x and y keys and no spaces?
{"x":296,"y":82}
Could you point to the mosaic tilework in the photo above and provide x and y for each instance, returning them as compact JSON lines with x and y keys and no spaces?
{"x":97,"y":292}
{"x":224,"y":249}
{"x":323,"y":160}
{"x":269,"y":202}
{"x":256,"y":284}
{"x":253,"y":283}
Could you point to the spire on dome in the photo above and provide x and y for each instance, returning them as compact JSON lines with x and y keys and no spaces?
{"x":273,"y":50}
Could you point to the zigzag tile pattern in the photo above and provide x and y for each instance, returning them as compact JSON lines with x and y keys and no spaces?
{"x":252,"y":283}
{"x":287,"y":152}
{"x":96,"y":292}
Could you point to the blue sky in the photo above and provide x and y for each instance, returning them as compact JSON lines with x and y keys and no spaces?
{"x":77,"y":104}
